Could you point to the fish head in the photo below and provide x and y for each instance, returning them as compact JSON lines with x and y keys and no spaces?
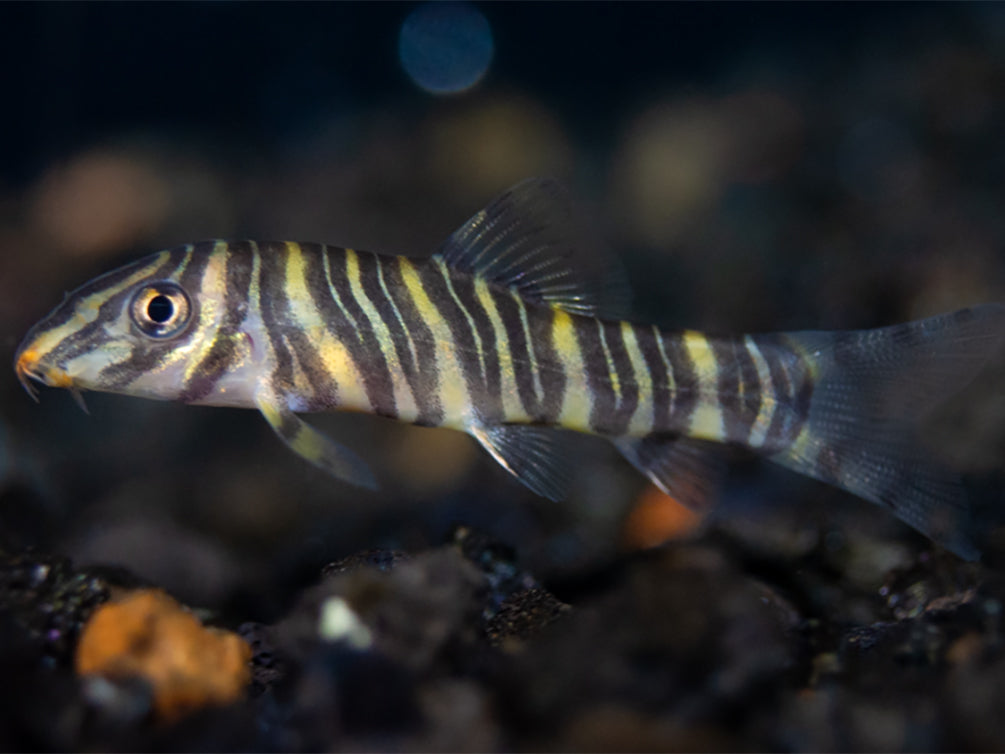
{"x":152,"y":329}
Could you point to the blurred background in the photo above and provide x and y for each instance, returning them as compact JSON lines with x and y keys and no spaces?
{"x":753,"y":167}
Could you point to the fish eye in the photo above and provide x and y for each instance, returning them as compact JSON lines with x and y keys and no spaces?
{"x":160,"y":310}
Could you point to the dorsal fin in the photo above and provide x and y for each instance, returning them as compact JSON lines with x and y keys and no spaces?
{"x":529,"y":240}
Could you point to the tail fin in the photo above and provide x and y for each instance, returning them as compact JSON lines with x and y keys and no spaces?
{"x":871,"y":387}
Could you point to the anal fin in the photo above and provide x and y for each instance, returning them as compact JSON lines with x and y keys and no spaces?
{"x":687,"y":470}
{"x":308,"y":443}
{"x":531,"y":454}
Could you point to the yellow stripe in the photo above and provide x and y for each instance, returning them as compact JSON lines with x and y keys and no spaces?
{"x":86,"y":310}
{"x":535,"y":372}
{"x":404,"y":401}
{"x":92,"y":361}
{"x":667,"y":366}
{"x":612,"y":370}
{"x":805,"y":447}
{"x":575,"y":411}
{"x":260,"y":336}
{"x":255,"y":302}
{"x":706,"y":419}
{"x":303,"y":312}
{"x":768,"y":401}
{"x":212,"y":298}
{"x":472,"y":327}
{"x":512,"y":406}
{"x":641,"y":422}
{"x":785,"y":401}
{"x":333,"y":352}
{"x":404,"y":328}
{"x":453,"y":392}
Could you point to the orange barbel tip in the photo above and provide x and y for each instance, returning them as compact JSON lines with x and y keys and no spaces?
{"x":25,"y":369}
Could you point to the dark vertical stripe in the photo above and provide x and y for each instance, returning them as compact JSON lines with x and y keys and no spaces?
{"x":737,"y":387}
{"x":646,"y":336}
{"x":275,"y":312}
{"x":520,"y":355}
{"x":222,"y":353}
{"x":64,"y":313}
{"x":435,"y":285}
{"x":191,"y":277}
{"x":727,"y":385}
{"x":628,"y":386}
{"x":750,"y":390}
{"x":684,"y":396}
{"x":779,"y":436}
{"x":287,"y":336}
{"x":791,"y":386}
{"x":152,"y":353}
{"x":395,"y":322}
{"x":82,"y":341}
{"x":598,"y":376}
{"x":491,"y":408}
{"x":352,"y":331}
{"x":427,"y":375}
{"x":550,"y":369}
{"x":753,"y":392}
{"x":377,"y":378}
{"x":802,"y":389}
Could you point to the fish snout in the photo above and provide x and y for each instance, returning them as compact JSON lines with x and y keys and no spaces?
{"x":30,"y":364}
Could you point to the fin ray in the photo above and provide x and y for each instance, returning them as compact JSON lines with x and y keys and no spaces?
{"x":871,"y":387}
{"x":531,"y":454}
{"x":528,"y":240}
{"x":687,"y":470}
{"x":308,"y":443}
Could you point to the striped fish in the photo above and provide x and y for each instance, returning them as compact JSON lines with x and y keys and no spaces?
{"x":503,"y":334}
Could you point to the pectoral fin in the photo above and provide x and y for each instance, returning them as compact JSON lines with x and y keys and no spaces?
{"x":308,"y":443}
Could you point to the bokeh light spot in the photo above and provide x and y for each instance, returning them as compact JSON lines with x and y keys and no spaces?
{"x":445,"y":47}
{"x":101,"y":200}
{"x":494,"y":142}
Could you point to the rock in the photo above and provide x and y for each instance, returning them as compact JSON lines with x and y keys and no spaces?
{"x":147,"y":634}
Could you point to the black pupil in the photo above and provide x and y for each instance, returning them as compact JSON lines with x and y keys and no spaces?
{"x":160,"y":309}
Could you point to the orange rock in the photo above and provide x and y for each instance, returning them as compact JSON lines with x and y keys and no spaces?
{"x":657,"y":518}
{"x":148,"y":634}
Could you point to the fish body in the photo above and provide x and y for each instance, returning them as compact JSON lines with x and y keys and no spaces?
{"x":503,"y":335}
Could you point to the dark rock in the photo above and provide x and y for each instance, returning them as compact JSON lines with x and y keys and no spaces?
{"x":380,"y":560}
{"x":513,"y":603}
{"x":50,"y":599}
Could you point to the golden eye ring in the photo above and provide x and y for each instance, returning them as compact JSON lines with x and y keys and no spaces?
{"x":160,"y":310}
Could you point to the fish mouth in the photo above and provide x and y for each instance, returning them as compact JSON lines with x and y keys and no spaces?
{"x":28,"y":366}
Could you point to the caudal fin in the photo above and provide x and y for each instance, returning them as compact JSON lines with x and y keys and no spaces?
{"x":871,"y":388}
